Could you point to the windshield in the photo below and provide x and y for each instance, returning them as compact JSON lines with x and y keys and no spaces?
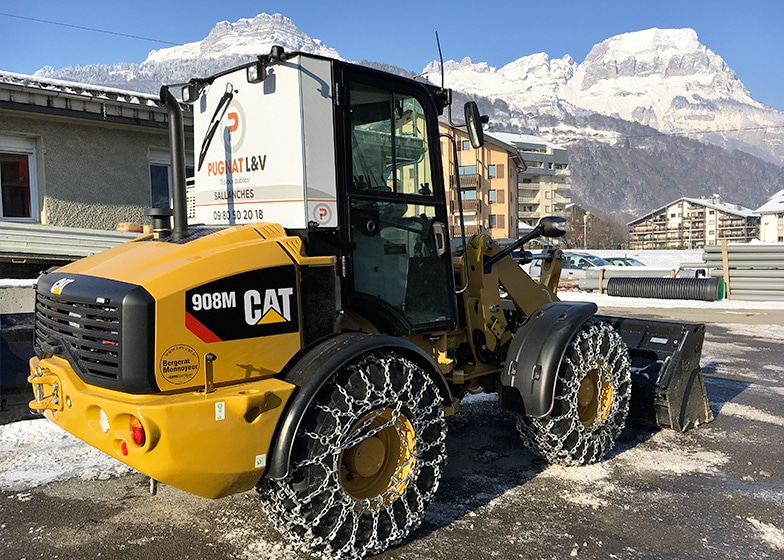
{"x":596,"y":261}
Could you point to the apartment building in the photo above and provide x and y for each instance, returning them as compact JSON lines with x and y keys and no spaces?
{"x":488,"y":185}
{"x":692,"y":223}
{"x":544,"y":185}
{"x":772,"y":219}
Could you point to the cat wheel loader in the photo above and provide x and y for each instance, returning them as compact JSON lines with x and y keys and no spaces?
{"x":298,"y":322}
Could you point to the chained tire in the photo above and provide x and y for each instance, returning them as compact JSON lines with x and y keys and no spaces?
{"x":367,"y":460}
{"x":592,"y":394}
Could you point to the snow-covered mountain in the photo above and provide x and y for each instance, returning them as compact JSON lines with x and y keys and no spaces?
{"x":227,"y":45}
{"x":662,"y":78}
{"x":631,"y":113}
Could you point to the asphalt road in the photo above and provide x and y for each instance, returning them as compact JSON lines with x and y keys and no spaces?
{"x":716,"y":492}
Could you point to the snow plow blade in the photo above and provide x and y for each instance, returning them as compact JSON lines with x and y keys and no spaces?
{"x":668,"y":389}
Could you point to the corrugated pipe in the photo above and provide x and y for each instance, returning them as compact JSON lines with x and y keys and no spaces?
{"x":704,"y":289}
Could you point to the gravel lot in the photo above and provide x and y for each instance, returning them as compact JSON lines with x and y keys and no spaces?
{"x":714,"y":492}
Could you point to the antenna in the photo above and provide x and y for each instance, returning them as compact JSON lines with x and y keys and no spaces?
{"x":440,"y":60}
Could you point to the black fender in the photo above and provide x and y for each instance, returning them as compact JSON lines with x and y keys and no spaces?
{"x":535,"y":354}
{"x":314,"y":369}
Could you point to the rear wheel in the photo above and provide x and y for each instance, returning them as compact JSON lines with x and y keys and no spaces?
{"x":592,"y":394}
{"x":366,"y":462}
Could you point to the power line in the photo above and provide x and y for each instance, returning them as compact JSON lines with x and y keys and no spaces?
{"x":675,"y":134}
{"x":84,"y":28}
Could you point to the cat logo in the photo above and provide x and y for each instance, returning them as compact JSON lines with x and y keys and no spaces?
{"x":57,"y":287}
{"x":261,"y":302}
{"x":273,"y":307}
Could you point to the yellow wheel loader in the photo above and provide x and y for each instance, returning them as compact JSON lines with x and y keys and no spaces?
{"x":299,"y":322}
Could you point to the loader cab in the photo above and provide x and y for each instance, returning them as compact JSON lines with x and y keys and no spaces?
{"x":346,"y":157}
{"x":399,"y":273}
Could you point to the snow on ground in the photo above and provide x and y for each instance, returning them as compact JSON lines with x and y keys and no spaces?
{"x":16,"y":283}
{"x":37,"y":452}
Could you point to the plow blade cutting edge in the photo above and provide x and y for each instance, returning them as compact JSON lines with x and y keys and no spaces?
{"x":668,"y":389}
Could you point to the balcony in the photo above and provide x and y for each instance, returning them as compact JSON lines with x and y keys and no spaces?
{"x":468,"y":180}
{"x":469,"y":207}
{"x":527,"y":215}
{"x":528,"y":199}
{"x":469,"y":230}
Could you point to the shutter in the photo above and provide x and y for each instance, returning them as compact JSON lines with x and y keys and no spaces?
{"x":499,"y":171}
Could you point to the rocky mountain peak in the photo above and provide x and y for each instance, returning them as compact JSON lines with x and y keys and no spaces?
{"x":661,"y":53}
{"x":245,"y":37}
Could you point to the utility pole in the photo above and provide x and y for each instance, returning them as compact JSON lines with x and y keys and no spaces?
{"x":586,"y":217}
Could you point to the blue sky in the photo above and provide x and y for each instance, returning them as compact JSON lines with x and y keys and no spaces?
{"x":748,"y":35}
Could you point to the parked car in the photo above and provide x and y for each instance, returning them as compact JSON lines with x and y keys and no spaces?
{"x":574,"y":265}
{"x":624,"y":261}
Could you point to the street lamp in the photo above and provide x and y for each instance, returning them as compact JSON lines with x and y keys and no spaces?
{"x":586,"y":217}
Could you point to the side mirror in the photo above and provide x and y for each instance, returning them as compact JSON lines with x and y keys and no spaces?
{"x":474,"y":124}
{"x":553,"y":226}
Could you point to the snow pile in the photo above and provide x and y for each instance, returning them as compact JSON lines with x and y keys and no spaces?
{"x":768,"y":533}
{"x":37,"y":452}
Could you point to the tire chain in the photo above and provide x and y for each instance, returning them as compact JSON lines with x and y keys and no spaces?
{"x":292,"y":522}
{"x":592,"y":443}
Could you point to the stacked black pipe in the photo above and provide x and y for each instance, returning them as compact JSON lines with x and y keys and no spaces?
{"x":704,"y":289}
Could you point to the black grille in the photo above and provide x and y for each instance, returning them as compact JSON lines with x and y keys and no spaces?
{"x":104,"y":328}
{"x":87,"y":333}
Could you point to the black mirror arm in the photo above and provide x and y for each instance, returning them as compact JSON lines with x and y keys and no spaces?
{"x":490,"y":261}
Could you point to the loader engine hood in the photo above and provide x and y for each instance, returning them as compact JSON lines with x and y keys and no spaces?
{"x":151,"y":316}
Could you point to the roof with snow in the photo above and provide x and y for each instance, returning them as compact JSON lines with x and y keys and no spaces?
{"x":774,"y":204}
{"x":36,"y":94}
{"x":51,"y":85}
{"x":713,"y":203}
{"x":524,"y":139}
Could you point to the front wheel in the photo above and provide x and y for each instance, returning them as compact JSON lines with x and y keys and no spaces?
{"x":592,"y":394}
{"x":366,"y":462}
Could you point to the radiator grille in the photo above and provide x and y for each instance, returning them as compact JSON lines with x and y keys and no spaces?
{"x":88,"y":333}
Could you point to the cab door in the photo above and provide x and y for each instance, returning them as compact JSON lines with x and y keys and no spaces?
{"x":400,"y":264}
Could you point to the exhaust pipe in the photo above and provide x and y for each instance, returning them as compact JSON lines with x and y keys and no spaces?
{"x":177,"y":143}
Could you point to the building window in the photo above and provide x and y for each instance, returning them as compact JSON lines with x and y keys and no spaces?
{"x":465,"y":145}
{"x":469,"y":194}
{"x":19,"y":200}
{"x":496,"y":221}
{"x":161,"y":178}
{"x":467,"y":170}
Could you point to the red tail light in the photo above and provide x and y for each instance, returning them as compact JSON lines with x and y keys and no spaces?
{"x":137,"y":431}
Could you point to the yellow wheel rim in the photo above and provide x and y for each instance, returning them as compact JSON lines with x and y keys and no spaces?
{"x":378,"y":467}
{"x":594,"y":398}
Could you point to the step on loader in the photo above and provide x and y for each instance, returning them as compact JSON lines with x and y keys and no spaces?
{"x":300,"y":323}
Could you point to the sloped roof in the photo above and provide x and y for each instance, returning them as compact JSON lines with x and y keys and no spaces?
{"x":713,"y":203}
{"x":774,"y":204}
{"x":88,"y":91}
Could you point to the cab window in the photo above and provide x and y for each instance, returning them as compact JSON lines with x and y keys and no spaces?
{"x":388,"y":142}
